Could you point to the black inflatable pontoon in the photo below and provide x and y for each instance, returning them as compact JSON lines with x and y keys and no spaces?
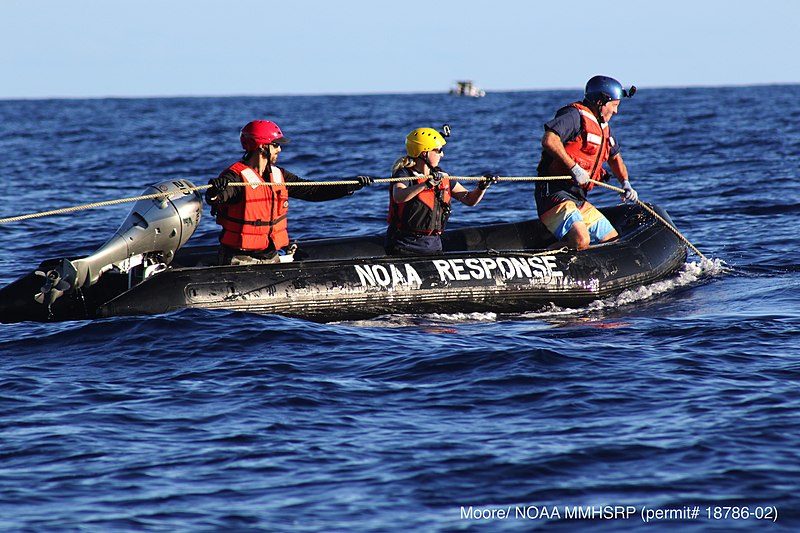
{"x":503,"y":268}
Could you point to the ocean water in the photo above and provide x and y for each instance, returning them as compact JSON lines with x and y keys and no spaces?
{"x":673,"y":407}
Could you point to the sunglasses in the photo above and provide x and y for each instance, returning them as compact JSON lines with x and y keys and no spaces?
{"x":276,"y":145}
{"x":438,"y":150}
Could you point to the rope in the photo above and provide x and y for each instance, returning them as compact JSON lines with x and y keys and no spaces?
{"x":394,"y":180}
{"x":546,"y":252}
{"x":93,"y":205}
{"x":658,"y":217}
{"x":339,"y":182}
{"x":84,"y":207}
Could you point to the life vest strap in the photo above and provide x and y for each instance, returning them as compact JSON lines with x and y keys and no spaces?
{"x":252,"y":222}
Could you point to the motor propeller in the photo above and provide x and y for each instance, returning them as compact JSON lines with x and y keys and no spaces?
{"x":55,"y":283}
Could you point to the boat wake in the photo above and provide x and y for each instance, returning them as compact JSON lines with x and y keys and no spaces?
{"x":691,"y":274}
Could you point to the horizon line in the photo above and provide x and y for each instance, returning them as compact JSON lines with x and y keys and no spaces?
{"x":377,"y":93}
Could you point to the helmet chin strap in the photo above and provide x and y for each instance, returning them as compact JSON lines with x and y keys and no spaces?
{"x":267,"y":154}
{"x":600,"y":118}
{"x":428,"y":161}
{"x":425,"y":161}
{"x":598,"y":105}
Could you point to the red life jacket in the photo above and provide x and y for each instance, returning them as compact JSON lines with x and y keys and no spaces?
{"x":426,"y":213}
{"x":590,"y":149}
{"x":261,"y":217}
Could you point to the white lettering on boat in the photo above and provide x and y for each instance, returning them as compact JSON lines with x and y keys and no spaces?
{"x":506,"y":268}
{"x":538,"y":268}
{"x":388,"y":276}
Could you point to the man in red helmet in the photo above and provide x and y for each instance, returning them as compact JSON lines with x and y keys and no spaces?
{"x":253,"y":217}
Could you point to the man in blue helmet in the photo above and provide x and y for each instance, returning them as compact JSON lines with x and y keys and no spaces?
{"x":577,"y":142}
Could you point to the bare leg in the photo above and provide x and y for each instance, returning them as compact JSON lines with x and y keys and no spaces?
{"x":611,"y":235}
{"x":578,"y":236}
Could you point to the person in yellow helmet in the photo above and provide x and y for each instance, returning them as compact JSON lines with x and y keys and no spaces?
{"x":420,"y":207}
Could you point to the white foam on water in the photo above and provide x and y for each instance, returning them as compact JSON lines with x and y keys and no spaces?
{"x":688,"y":275}
{"x":405,"y":320}
{"x":463,"y":317}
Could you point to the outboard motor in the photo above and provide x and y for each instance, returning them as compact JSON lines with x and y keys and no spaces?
{"x":143,"y":245}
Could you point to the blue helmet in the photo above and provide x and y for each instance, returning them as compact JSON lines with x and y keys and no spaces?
{"x":603,"y":89}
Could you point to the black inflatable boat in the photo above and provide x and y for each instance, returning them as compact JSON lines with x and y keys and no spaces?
{"x":144,"y":269}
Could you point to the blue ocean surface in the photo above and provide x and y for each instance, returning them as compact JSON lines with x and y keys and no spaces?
{"x":672,"y":407}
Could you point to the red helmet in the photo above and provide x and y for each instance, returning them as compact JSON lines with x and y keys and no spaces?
{"x":259,"y":132}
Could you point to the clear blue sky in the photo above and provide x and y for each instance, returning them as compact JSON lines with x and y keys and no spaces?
{"x":96,"y":48}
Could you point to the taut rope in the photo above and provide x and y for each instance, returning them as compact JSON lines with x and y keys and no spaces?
{"x":658,"y":217}
{"x":339,"y":182}
{"x":92,"y":205}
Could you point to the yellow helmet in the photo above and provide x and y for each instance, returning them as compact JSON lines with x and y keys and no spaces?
{"x":423,"y":140}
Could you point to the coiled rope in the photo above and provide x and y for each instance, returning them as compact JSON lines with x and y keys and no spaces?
{"x":93,"y":205}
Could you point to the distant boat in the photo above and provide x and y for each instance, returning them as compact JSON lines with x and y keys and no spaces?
{"x":467,"y":88}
